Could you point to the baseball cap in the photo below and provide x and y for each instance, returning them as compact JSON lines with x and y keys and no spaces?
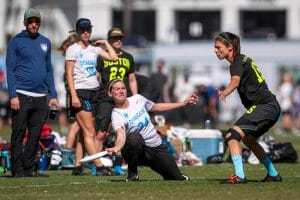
{"x":115,"y":32}
{"x":82,"y":23}
{"x":32,"y":12}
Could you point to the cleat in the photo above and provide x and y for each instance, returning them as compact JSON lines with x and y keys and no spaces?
{"x":103,"y":171}
{"x":132,"y":177}
{"x":186,"y":178}
{"x":234,"y":179}
{"x":78,"y":171}
{"x":269,"y":178}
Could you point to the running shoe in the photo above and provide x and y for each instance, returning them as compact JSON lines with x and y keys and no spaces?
{"x":186,"y":178}
{"x":269,"y":178}
{"x":78,"y":171}
{"x":118,"y":170}
{"x":133,"y":176}
{"x":234,"y":179}
{"x":103,"y":171}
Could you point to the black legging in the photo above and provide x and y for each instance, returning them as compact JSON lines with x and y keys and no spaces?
{"x":135,"y":152}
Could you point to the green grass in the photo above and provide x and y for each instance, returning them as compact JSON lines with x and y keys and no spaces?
{"x":204,"y":184}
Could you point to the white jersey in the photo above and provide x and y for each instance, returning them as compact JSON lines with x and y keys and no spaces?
{"x":85,"y":65}
{"x":135,"y":119}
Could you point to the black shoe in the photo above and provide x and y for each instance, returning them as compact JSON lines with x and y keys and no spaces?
{"x":103,"y":171}
{"x":186,"y":178}
{"x":132,"y":176}
{"x":269,"y":178}
{"x":234,"y":179}
{"x":78,"y":171}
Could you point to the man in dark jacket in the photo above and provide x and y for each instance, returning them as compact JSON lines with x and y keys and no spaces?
{"x":30,"y":80}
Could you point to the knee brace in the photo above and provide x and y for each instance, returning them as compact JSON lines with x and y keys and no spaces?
{"x":234,"y":136}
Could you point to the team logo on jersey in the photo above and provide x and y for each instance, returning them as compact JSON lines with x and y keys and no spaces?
{"x":80,"y":55}
{"x":44,"y":47}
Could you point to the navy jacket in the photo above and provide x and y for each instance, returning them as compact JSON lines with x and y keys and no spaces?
{"x":28,"y":64}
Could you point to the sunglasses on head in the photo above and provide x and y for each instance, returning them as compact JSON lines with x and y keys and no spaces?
{"x":36,"y":21}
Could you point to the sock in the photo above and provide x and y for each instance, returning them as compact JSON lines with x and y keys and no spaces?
{"x":270,"y":167}
{"x":238,"y":166}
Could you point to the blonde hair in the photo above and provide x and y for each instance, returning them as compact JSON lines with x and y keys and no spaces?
{"x":68,"y":42}
{"x":111,"y":84}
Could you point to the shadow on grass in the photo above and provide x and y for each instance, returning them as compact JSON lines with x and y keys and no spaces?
{"x":6,"y":176}
{"x":143,"y":180}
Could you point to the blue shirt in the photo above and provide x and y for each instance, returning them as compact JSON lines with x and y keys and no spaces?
{"x":28,"y":63}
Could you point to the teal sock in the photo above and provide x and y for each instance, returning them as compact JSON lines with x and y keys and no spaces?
{"x":238,"y":166}
{"x":270,"y":167}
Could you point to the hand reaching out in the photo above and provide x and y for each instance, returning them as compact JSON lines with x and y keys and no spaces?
{"x":191,"y":100}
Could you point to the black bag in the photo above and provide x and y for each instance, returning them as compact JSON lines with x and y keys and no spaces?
{"x":283,"y":152}
{"x":215,"y":159}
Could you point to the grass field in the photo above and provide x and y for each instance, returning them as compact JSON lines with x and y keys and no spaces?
{"x":204,"y":184}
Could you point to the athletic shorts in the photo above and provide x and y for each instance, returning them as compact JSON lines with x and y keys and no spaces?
{"x":88,"y":99}
{"x":258,"y":119}
{"x":103,"y":112}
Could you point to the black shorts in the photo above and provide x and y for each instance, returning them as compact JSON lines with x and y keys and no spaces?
{"x":88,"y":99}
{"x":259,"y":119}
{"x":103,"y":112}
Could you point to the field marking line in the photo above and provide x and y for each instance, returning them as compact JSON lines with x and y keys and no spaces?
{"x":109,"y":181}
{"x":49,"y":185}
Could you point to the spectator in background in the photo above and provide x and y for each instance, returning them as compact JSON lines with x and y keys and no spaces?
{"x":159,"y":79}
{"x":4,"y":97}
{"x":81,"y":61}
{"x":123,"y":69}
{"x":74,"y":139}
{"x":73,"y":127}
{"x":183,"y":88}
{"x":296,"y":109}
{"x":30,"y":80}
{"x":285,"y":98}
{"x":210,"y":101}
{"x":169,"y":87}
{"x":145,"y":87}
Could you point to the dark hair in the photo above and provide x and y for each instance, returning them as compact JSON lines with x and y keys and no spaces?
{"x":230,"y":38}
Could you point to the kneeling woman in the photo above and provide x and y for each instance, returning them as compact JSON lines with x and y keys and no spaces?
{"x":137,"y":139}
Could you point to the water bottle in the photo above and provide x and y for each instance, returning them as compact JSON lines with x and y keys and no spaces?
{"x":70,"y":110}
{"x":2,"y":170}
{"x":43,"y":164}
{"x":52,"y":112}
{"x":187,"y":144}
{"x":207,"y":124}
{"x":5,"y":159}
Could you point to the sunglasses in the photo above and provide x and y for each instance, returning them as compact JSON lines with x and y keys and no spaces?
{"x":83,"y":30}
{"x":36,"y":21}
{"x":116,"y":38}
